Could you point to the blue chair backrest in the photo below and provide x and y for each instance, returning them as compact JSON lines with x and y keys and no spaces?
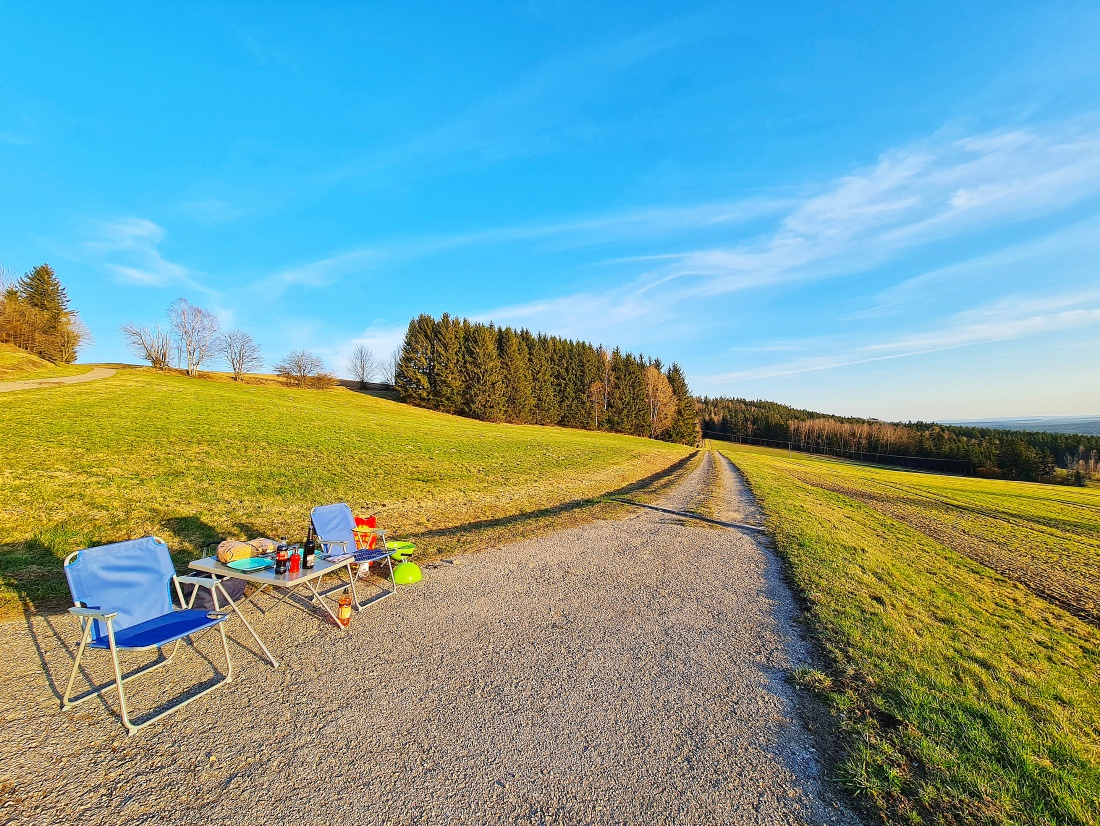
{"x":334,"y":523}
{"x":131,"y":578}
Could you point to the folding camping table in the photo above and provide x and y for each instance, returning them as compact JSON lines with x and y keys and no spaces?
{"x":267,"y":578}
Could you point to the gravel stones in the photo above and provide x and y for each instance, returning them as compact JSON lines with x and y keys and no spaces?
{"x":624,"y":671}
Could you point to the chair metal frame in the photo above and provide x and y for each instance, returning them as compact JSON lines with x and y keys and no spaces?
{"x":87,"y":617}
{"x":360,"y":566}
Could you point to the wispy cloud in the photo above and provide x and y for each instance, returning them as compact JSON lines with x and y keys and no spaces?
{"x":319,"y":273}
{"x":590,"y":231}
{"x":1071,"y":252}
{"x":930,"y":190}
{"x":1006,"y":319}
{"x":934,"y":189}
{"x":130,"y":248}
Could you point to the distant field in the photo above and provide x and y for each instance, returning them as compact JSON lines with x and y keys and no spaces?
{"x":193,"y":461}
{"x":960,"y":617}
{"x":19,"y":365}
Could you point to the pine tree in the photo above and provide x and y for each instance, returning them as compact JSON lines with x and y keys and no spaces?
{"x":685,"y":429}
{"x":413,"y":374}
{"x":519,"y":402}
{"x":41,"y":289}
{"x":447,"y":365}
{"x":483,"y":388}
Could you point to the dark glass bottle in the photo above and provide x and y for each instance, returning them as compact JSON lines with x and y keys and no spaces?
{"x":282,"y":557}
{"x":309,"y":549}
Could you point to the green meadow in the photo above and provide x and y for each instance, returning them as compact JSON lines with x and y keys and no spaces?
{"x":958,"y":620}
{"x":194,"y":461}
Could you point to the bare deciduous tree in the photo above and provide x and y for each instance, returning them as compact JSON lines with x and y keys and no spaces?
{"x":363,"y":365}
{"x":661,"y":401}
{"x":301,"y":368}
{"x":389,"y":369}
{"x":241,"y":353}
{"x":608,"y":380}
{"x":72,"y":334}
{"x":197,"y":331}
{"x":153,"y":344}
{"x":598,"y":397}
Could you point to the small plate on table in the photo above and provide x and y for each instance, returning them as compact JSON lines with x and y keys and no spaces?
{"x":253,"y":563}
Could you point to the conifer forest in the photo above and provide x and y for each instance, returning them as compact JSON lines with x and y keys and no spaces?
{"x":500,"y":374}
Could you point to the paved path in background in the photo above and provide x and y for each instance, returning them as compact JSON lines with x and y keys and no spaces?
{"x":621,"y":672}
{"x":30,"y":384}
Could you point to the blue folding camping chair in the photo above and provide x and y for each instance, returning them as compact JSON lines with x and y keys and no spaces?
{"x":335,"y":529}
{"x":121,"y":595}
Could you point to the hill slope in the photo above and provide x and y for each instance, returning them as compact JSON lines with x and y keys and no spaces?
{"x":193,"y":461}
{"x":17,"y":364}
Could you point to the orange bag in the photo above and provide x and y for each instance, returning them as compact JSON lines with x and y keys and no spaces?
{"x":365,"y":537}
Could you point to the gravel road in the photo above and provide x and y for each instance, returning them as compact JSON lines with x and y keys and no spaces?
{"x":626,"y":671}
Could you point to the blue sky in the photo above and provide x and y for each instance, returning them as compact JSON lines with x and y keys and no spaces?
{"x":863,"y":208}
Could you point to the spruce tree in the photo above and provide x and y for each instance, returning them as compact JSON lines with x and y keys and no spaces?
{"x":447,"y":365}
{"x":41,"y":289}
{"x":483,"y":387}
{"x":413,"y":373}
{"x":685,"y":429}
{"x":543,"y":385}
{"x":519,"y":402}
{"x":569,"y":369}
{"x":628,"y":411}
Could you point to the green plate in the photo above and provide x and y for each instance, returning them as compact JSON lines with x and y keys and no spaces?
{"x":250,"y":564}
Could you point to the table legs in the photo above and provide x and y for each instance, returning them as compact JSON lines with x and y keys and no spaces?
{"x":251,"y":630}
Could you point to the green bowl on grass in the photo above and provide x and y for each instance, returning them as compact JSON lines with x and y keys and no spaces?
{"x":400,"y":550}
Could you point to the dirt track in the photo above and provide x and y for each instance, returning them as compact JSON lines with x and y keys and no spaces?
{"x":31,"y":384}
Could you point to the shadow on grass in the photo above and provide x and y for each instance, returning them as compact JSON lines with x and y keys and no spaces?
{"x":380,"y":390}
{"x":518,"y":522}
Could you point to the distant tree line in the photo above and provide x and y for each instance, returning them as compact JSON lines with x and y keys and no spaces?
{"x":35,"y":316}
{"x":502,"y":374}
{"x":1009,"y":454}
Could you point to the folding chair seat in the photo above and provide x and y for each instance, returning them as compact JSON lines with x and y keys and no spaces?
{"x":335,"y":528}
{"x":121,"y":595}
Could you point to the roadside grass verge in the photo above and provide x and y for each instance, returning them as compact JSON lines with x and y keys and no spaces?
{"x":195,"y":461}
{"x":963,"y":696}
{"x":19,"y":365}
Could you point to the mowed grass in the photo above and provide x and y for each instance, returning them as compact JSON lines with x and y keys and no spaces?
{"x":19,"y":365}
{"x":964,"y":696}
{"x":195,"y":461}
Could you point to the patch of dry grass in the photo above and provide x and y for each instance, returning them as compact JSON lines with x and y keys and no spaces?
{"x":19,"y":365}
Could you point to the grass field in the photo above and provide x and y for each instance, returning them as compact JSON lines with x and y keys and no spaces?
{"x":18,"y":365}
{"x":959,"y":620}
{"x":194,"y":461}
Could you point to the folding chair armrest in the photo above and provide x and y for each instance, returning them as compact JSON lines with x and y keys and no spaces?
{"x":91,"y":613}
{"x":343,"y":543}
{"x":205,"y":582}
